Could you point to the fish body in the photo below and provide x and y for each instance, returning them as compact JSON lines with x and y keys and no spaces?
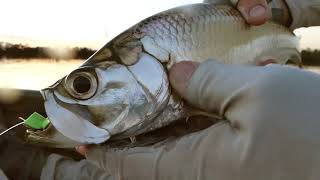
{"x":123,"y":89}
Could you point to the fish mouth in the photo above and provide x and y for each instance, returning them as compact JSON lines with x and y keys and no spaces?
{"x":74,"y":126}
{"x":49,"y":137}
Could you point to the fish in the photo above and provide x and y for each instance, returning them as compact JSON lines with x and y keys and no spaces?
{"x":123,"y":90}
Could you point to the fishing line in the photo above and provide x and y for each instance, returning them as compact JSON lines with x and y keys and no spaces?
{"x":12,"y":127}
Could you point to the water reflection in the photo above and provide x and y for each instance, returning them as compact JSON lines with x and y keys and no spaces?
{"x":34,"y":74}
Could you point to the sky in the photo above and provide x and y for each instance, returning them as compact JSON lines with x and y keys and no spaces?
{"x":88,"y":23}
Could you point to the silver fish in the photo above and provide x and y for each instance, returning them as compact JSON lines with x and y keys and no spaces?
{"x":122,"y":90}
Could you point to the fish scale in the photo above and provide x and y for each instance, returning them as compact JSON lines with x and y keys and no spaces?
{"x":212,"y":21}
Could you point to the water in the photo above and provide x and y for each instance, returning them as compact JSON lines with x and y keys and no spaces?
{"x":34,"y":74}
{"x":38,"y":74}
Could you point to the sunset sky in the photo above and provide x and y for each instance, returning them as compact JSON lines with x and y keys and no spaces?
{"x":88,"y":23}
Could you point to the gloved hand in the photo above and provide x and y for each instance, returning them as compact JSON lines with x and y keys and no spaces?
{"x":269,"y":129}
{"x":293,"y":13}
{"x":257,"y":12}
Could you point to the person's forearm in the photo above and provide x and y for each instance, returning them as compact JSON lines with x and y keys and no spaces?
{"x":144,"y":162}
{"x":196,"y":156}
{"x":304,"y":13}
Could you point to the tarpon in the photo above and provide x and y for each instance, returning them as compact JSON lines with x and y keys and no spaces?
{"x":123,"y":90}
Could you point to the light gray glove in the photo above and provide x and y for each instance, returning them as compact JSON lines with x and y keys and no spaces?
{"x":305,"y":13}
{"x":270,"y":130}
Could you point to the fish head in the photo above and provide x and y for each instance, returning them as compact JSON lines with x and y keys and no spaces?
{"x":100,"y":100}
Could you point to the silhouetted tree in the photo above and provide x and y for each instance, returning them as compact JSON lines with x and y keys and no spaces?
{"x":19,"y":51}
{"x":311,"y":57}
{"x":83,"y":53}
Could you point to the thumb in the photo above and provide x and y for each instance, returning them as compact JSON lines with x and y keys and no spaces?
{"x":255,"y":12}
{"x":180,"y":75}
{"x":210,"y":85}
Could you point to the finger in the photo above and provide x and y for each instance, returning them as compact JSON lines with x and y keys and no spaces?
{"x":180,"y":74}
{"x":255,"y":12}
{"x":210,"y":85}
{"x":82,"y":149}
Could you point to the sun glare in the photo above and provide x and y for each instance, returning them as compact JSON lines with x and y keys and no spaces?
{"x":75,"y":22}
{"x":85,"y":23}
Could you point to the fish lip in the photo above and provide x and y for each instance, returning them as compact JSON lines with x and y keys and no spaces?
{"x":40,"y":133}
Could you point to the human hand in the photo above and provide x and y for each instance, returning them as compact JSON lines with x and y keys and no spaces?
{"x":257,"y":12}
{"x":269,"y":127}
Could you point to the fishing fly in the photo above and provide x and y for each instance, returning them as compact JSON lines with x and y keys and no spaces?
{"x":34,"y":121}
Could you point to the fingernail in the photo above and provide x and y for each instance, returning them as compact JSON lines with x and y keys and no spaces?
{"x":180,"y":74}
{"x":257,"y":11}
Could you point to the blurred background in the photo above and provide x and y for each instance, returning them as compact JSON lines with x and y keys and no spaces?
{"x":43,"y":40}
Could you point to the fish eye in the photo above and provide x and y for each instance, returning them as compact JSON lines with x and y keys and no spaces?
{"x":81,"y":85}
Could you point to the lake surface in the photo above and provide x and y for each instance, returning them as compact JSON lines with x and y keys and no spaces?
{"x":38,"y":74}
{"x":34,"y":74}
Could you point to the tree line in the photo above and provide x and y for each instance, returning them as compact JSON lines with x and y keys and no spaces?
{"x":311,"y":57}
{"x":20,"y":51}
